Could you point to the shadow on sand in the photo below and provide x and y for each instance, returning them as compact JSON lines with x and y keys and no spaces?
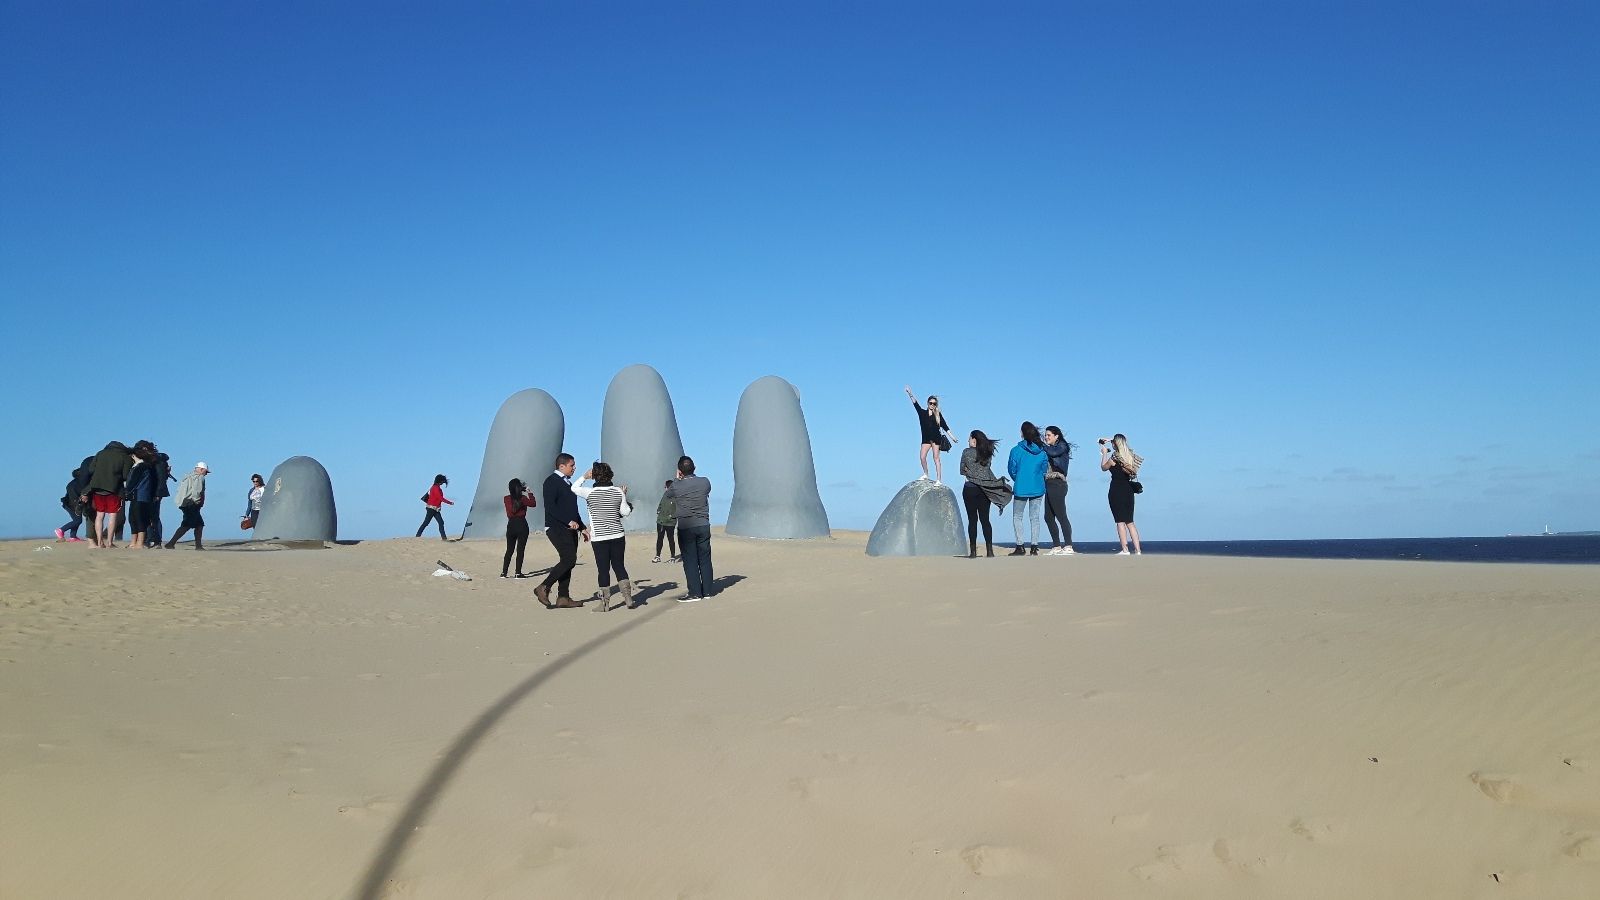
{"x":417,"y":808}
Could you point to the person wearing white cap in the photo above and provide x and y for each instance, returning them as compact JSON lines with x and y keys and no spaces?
{"x":191,"y":496}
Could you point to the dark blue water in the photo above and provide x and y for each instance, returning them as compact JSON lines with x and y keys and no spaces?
{"x":1535,"y":549}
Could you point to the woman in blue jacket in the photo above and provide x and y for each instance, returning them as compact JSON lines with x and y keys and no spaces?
{"x":1027,"y":466}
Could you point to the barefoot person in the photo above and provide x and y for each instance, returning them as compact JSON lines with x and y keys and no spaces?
{"x":436,"y":501}
{"x":1027,"y":466}
{"x":108,"y":476}
{"x":1123,"y":464}
{"x":1055,"y":492}
{"x":931,"y":421}
{"x":518,"y":501}
{"x":982,"y":488}
{"x":141,"y":493}
{"x":608,"y":504}
{"x":564,"y":527}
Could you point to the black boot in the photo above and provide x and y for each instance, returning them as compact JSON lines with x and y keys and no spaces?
{"x":972,"y":549}
{"x":1019,"y":550}
{"x":1033,"y":550}
{"x":197,"y":544}
{"x":989,"y":550}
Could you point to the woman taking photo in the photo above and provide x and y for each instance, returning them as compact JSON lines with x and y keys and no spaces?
{"x":608,"y":503}
{"x":1055,"y":491}
{"x":982,"y":488}
{"x":931,"y":421}
{"x":1123,"y":464}
{"x":518,"y":501}
{"x":1027,"y":466}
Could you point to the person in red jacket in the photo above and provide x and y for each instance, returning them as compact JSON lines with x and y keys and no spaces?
{"x":436,"y":499}
{"x":518,"y":502}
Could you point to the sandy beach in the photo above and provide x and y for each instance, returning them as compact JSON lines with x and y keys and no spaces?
{"x":272,"y":723}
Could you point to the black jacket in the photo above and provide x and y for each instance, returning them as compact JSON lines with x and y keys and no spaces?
{"x":560,"y":503}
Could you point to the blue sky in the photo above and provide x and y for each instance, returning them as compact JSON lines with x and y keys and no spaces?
{"x":1332,"y":267}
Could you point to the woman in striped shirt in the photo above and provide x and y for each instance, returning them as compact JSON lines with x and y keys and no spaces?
{"x":608,"y":503}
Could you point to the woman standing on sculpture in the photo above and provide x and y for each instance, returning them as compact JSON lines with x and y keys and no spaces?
{"x":1123,"y":464}
{"x":931,"y":420}
{"x":436,"y":501}
{"x":982,"y":488}
{"x":518,"y":501}
{"x":1055,"y":491}
{"x":608,"y":503}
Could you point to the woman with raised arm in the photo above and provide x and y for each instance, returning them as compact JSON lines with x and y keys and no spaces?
{"x":608,"y":504}
{"x":1123,"y":464}
{"x":931,"y":420}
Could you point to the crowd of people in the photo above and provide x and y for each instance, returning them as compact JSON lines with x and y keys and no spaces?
{"x":1035,"y":483}
{"x":683,"y":520}
{"x":118,"y":493}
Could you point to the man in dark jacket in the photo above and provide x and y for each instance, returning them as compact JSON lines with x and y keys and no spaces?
{"x":564,"y":527}
{"x":110,"y":467}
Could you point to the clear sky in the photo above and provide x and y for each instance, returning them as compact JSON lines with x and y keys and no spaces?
{"x":1333,"y":267}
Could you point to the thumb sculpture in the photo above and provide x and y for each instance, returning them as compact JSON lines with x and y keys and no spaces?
{"x":298,"y":503}
{"x":639,"y":439}
{"x":774,"y":477}
{"x":523,"y":442}
{"x":923,"y":519}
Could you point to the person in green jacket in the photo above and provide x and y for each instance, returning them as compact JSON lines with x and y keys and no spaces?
{"x":666,"y":526}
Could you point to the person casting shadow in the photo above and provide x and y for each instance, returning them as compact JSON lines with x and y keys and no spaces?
{"x":564,"y":527}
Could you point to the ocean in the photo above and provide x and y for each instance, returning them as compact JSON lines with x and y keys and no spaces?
{"x":1559,"y":548}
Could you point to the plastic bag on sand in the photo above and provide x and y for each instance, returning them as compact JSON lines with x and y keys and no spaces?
{"x":457,"y":574}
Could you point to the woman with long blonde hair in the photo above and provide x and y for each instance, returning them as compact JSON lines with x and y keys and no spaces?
{"x":1123,"y":464}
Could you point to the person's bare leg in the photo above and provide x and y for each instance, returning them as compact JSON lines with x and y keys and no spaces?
{"x":938,"y":465}
{"x":1122,"y":536}
{"x":922,"y":457}
{"x":1135,"y":532}
{"x":106,"y":524}
{"x":137,"y":543}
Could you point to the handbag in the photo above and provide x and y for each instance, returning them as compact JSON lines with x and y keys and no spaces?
{"x":1138,"y":488}
{"x":245,"y":524}
{"x":944,"y":442}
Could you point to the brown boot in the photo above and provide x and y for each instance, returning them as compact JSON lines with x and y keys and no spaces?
{"x":627,"y":594}
{"x":567,"y":603}
{"x":541,"y":593}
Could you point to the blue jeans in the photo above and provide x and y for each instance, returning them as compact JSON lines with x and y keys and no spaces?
{"x":694,"y":545}
{"x":1035,"y":514}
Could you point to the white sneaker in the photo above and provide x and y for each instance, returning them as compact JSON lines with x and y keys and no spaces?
{"x":1053,"y":551}
{"x":1068,"y":551}
{"x":1123,"y":553}
{"x":923,"y":477}
{"x":1138,"y":553}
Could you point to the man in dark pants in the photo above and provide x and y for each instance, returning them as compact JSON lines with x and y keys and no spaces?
{"x":564,"y":527}
{"x":692,"y":495}
{"x":191,"y":497}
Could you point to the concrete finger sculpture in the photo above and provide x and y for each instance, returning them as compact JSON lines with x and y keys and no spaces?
{"x":298,"y":503}
{"x":523,"y":442}
{"x":639,"y":439}
{"x":774,"y":477}
{"x":923,"y":519}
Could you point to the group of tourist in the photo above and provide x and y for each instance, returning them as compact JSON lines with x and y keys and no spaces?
{"x":683,"y":523}
{"x":119,"y":491}
{"x":1035,"y":484}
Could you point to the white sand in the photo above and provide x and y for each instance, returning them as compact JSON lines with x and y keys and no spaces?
{"x":254,"y":724}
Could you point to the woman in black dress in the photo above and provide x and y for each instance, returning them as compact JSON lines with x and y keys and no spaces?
{"x":1123,"y":464}
{"x":932,"y":422}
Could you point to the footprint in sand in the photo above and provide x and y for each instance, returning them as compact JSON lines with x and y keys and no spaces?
{"x":1315,"y":828}
{"x":802,"y":787}
{"x":376,"y":808}
{"x":795,"y":720}
{"x":1584,"y":847}
{"x":991,"y":860}
{"x":1499,"y":788}
{"x":1200,"y":859}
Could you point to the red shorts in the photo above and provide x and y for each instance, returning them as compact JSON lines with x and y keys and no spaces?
{"x":106,"y":503}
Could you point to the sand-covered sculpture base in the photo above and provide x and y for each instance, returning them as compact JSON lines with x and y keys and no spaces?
{"x":252,"y":725}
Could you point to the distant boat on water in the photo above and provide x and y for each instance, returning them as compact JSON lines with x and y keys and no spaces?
{"x":1547,"y":532}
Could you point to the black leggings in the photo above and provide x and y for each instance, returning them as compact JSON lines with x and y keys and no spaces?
{"x":670,"y":533}
{"x":1055,"y":510}
{"x":431,"y":516}
{"x":977,"y":511}
{"x":608,"y":558}
{"x":516,"y":540}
